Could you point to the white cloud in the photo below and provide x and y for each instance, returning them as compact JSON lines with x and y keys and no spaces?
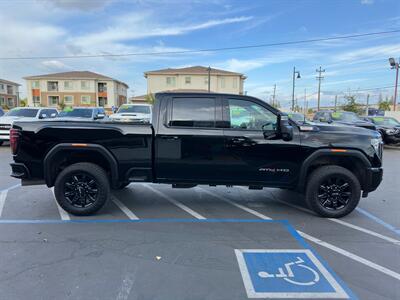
{"x":55,"y":65}
{"x":367,"y":2}
{"x":79,"y":4}
{"x":369,"y":53}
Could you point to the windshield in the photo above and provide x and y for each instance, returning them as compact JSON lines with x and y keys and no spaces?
{"x":76,"y":113}
{"x":22,"y":112}
{"x":345,"y":116}
{"x":140,"y":109}
{"x":385,"y":121}
{"x":297,"y":117}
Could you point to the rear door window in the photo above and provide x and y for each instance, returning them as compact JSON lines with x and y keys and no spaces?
{"x":193,"y":112}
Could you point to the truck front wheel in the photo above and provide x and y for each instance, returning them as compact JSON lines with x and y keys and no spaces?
{"x":82,"y":189}
{"x":333,"y":191}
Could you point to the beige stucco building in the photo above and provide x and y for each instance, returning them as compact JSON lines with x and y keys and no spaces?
{"x":76,"y":88}
{"x":9,"y":93}
{"x":194,"y":79}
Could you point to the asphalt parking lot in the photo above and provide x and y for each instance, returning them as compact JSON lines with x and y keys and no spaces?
{"x":155,"y":242}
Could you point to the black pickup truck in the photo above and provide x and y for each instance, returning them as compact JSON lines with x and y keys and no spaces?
{"x":199,"y":138}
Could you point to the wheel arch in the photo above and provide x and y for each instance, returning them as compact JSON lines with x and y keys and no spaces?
{"x":353,"y":160}
{"x":69,"y":153}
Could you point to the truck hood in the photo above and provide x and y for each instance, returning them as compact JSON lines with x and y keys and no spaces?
{"x":340,"y":128}
{"x":362,"y":124}
{"x":10,"y":120}
{"x":130,"y":116}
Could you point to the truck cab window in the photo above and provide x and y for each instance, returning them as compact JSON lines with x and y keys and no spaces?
{"x":248,"y":115}
{"x":193,"y":112}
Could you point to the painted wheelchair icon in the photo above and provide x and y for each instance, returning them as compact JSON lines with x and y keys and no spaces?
{"x":289,"y":275}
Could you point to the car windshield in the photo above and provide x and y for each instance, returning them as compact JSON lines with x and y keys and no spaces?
{"x":345,"y":116}
{"x":141,"y":109}
{"x":76,"y":113}
{"x":385,"y":121}
{"x":22,"y":112}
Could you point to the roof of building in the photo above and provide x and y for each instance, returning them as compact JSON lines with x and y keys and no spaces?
{"x":74,"y":75}
{"x":8,"y":82}
{"x":195,"y":70}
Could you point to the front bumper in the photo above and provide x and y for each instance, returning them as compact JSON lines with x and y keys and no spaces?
{"x":373,"y":179}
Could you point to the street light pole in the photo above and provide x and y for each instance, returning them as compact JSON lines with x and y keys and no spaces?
{"x":395,"y":65}
{"x":319,"y":78}
{"x":294,"y":83}
{"x":209,"y":79}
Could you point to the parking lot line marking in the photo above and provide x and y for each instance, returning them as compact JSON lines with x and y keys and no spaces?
{"x":380,"y":221}
{"x":327,"y":245}
{"x":177,"y":203}
{"x":124,"y":208}
{"x":341,"y":222}
{"x":63,"y":214}
{"x":3,"y":196}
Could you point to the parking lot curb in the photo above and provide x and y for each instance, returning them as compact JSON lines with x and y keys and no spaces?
{"x":392,"y":147}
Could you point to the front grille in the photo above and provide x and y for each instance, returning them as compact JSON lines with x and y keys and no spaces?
{"x":5,"y":126}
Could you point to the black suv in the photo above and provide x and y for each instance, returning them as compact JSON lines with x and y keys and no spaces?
{"x":342,"y":117}
{"x":388,"y":127}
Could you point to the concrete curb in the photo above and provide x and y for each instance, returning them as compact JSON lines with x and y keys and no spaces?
{"x":392,"y":147}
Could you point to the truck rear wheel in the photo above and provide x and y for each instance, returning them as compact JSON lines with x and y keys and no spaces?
{"x":333,"y":191}
{"x":82,"y":189}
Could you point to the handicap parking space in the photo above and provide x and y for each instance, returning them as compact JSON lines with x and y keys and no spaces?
{"x":180,"y":259}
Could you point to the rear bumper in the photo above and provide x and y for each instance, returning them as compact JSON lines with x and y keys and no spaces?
{"x":4,"y":135}
{"x":373,"y":179}
{"x":20,"y":171}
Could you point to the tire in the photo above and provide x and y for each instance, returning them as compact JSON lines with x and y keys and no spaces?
{"x":82,"y":189}
{"x":333,"y":191}
{"x":1,"y":143}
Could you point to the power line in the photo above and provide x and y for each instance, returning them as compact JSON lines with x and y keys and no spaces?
{"x":204,"y":50}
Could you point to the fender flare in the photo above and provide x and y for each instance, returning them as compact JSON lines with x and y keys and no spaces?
{"x":48,"y":176}
{"x":328,"y":152}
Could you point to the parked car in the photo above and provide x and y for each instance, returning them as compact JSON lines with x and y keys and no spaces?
{"x":342,"y":117}
{"x":196,"y":138}
{"x":1,"y":112}
{"x":133,"y":113}
{"x":388,"y":127}
{"x":23,"y":113}
{"x":82,"y":113}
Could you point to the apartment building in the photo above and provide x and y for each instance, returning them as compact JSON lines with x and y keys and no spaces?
{"x":9,"y":93}
{"x":194,"y":79}
{"x":76,"y":88}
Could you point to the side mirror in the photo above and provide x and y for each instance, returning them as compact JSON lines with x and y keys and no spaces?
{"x":286,"y":130}
{"x":100,"y":116}
{"x":323,"y":119}
{"x":42,"y":116}
{"x":53,"y":115}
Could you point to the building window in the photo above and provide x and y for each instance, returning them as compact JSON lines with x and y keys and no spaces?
{"x":222,"y":82}
{"x":68,"y":99}
{"x":102,"y":87}
{"x":85,"y":100}
{"x":53,"y":100}
{"x":234,"y":83}
{"x":52,"y":86}
{"x":85,"y":85}
{"x":171,"y":81}
{"x":10,"y":102}
{"x":68,"y":85}
{"x":102,"y":101}
{"x":188,"y":80}
{"x":35,"y":84}
{"x":2,"y":101}
{"x":36,"y":100}
{"x":10,"y":90}
{"x":1,"y":87}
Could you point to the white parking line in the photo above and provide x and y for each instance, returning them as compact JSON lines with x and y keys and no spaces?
{"x":124,"y":208}
{"x":344,"y":223}
{"x":177,"y":203}
{"x":63,"y":214}
{"x":341,"y":251}
{"x":3,"y":196}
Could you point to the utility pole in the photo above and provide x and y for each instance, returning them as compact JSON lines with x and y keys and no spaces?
{"x":273,"y":97}
{"x":335,"y":102}
{"x":395,"y":65}
{"x":209,"y":79}
{"x":366,"y":110}
{"x":319,"y":78}
{"x":305,"y":106}
{"x":294,"y":84}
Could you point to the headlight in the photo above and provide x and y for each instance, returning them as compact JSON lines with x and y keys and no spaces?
{"x":375,"y":143}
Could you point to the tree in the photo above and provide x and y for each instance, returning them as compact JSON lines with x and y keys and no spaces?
{"x":61,"y":105}
{"x":23,"y":102}
{"x":384,"y":104}
{"x":150,"y":98}
{"x":351,"y":104}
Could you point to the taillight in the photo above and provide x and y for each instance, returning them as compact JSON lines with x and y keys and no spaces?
{"x":14,"y":140}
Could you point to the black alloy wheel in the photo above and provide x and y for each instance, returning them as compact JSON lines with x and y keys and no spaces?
{"x":81,"y":190}
{"x":334,"y":193}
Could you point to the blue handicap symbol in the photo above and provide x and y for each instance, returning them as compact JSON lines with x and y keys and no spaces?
{"x":278,"y":272}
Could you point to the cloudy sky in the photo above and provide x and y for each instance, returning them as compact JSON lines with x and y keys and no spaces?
{"x":54,"y":28}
